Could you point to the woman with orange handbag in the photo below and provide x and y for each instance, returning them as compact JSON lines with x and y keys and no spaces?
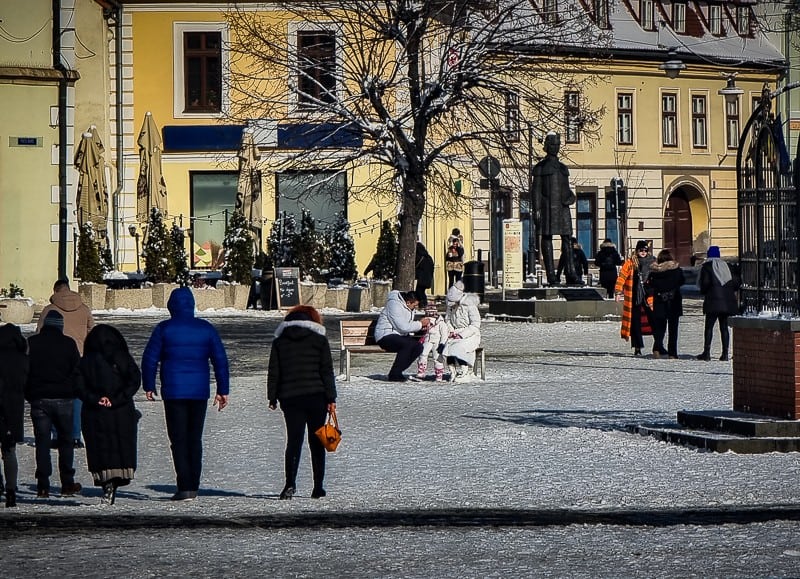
{"x":301,"y":378}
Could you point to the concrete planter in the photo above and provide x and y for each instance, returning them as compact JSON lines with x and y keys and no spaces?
{"x":93,"y":295}
{"x":236,"y":296}
{"x":336,"y":298}
{"x":313,"y":294}
{"x":359,"y":299}
{"x":16,"y":310}
{"x":131,"y":299}
{"x":161,"y":293}
{"x":380,"y":291}
{"x":208,"y":299}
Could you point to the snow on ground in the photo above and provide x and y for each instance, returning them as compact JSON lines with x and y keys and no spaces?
{"x":544,"y":434}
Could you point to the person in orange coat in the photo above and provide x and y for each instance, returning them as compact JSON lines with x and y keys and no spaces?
{"x":630,"y":289}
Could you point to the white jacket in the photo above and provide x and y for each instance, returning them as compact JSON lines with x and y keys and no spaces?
{"x":465,"y":320}
{"x":396,"y":318}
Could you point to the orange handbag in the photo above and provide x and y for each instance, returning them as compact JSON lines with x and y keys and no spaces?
{"x":329,"y":433}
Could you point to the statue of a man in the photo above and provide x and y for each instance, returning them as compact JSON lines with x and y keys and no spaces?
{"x":551,"y":200}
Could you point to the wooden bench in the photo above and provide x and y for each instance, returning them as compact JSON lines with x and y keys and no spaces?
{"x":358,"y":337}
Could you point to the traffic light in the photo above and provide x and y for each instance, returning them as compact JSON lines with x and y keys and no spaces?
{"x":623,"y":201}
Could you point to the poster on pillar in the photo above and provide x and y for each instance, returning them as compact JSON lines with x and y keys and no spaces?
{"x":512,"y":254}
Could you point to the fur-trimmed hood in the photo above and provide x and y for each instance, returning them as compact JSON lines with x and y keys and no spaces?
{"x":608,"y":244}
{"x":664,"y":266}
{"x":296,"y":329}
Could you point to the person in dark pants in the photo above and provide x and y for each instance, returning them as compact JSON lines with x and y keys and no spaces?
{"x":664,"y":284}
{"x":718,"y":285}
{"x":13,"y":377}
{"x":579,"y":261}
{"x":393,"y":328}
{"x":607,"y":260}
{"x":423,"y":273}
{"x":301,"y":378}
{"x":183,"y":346}
{"x":630,"y":289}
{"x":54,"y":360}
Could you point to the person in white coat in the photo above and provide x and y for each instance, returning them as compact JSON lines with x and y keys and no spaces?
{"x":394,"y":329}
{"x":464,"y":320}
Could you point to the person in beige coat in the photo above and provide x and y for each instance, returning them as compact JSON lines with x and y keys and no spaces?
{"x":78,"y":321}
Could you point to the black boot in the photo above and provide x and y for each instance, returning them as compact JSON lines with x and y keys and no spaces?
{"x":704,"y":355}
{"x":724,"y":357}
{"x":287,"y":493}
{"x":11,"y":499}
{"x":109,"y":492}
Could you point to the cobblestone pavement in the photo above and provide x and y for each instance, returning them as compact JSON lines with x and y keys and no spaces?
{"x":529,"y":474}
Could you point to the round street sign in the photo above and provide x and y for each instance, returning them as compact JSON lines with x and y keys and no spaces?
{"x":489,"y":167}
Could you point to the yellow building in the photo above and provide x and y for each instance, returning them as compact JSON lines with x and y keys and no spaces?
{"x":49,"y":62}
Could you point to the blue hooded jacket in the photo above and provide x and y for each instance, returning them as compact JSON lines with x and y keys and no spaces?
{"x":184,"y":345}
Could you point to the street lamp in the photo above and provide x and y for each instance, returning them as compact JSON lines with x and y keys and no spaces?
{"x":731,"y":92}
{"x":673,"y":66}
{"x":135,"y":235}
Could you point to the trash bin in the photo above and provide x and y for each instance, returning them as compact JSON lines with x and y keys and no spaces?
{"x":473,"y":278}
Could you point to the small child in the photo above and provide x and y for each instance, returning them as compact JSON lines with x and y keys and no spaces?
{"x":434,"y":339}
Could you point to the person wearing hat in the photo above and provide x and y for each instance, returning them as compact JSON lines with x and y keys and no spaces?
{"x":183,"y":346}
{"x":464,"y":338}
{"x":718,"y":285}
{"x":301,"y":378}
{"x":51,"y":388}
{"x":630,"y":289}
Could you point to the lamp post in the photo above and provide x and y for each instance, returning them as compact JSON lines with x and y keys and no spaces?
{"x":531,"y":225}
{"x":135,"y":235}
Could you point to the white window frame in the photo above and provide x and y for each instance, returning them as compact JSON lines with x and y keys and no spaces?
{"x":179,"y":75}
{"x":743,"y":20}
{"x":647,"y":15}
{"x":572,"y":112}
{"x":732,"y":123}
{"x":679,"y":17}
{"x":601,"y":16}
{"x":715,"y":19}
{"x":513,"y":133}
{"x":324,"y":26}
{"x":669,"y":124}
{"x":699,"y":111}
{"x":625,"y":116}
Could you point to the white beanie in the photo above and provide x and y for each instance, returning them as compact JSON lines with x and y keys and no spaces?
{"x":456,"y":292}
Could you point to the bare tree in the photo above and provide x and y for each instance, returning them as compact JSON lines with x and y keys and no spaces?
{"x":429,"y":87}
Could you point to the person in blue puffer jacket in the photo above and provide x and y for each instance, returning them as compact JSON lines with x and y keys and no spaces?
{"x":183,"y":345}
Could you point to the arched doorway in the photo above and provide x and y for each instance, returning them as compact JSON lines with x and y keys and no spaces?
{"x":678,"y":227}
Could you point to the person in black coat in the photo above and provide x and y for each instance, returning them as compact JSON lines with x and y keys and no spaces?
{"x":13,"y":376}
{"x":301,"y":378}
{"x":718,"y":285}
{"x":423,"y":273}
{"x":664,"y":284}
{"x":608,"y":260}
{"x":579,"y":261}
{"x":51,"y":388}
{"x":109,"y":380}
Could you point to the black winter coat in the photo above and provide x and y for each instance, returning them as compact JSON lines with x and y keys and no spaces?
{"x":423,"y":267}
{"x":13,"y":377}
{"x":664,"y":284}
{"x":718,"y":299}
{"x":54,"y":360}
{"x":300,"y":362}
{"x":108,"y":370}
{"x":608,"y":259}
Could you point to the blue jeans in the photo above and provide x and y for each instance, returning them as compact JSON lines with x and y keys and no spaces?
{"x":45,"y":414}
{"x":185,"y":421}
{"x":77,"y":404}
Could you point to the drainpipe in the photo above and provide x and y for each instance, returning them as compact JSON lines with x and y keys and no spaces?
{"x":62,"y":141}
{"x":114,"y":13}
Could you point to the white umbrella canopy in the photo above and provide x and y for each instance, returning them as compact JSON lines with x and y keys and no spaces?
{"x":151,"y":190}
{"x":92,"y":197}
{"x":248,"y":190}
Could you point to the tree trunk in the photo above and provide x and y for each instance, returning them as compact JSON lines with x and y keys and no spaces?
{"x":413,"y":207}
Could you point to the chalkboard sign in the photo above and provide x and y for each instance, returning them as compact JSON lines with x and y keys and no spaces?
{"x":287,"y":284}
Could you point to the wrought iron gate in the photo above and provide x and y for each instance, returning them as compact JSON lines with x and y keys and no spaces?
{"x":769,"y":221}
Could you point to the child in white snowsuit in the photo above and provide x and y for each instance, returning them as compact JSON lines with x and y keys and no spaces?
{"x":433,"y":341}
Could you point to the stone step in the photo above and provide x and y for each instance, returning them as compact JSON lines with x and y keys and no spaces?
{"x":739,"y":423}
{"x":717,"y":441}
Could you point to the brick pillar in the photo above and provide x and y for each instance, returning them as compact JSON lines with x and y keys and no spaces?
{"x":766,"y":367}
